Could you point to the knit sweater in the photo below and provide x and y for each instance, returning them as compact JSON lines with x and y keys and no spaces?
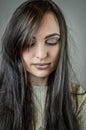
{"x":39,"y":96}
{"x":79,"y":105}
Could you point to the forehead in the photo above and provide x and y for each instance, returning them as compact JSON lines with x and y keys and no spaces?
{"x":49,"y":25}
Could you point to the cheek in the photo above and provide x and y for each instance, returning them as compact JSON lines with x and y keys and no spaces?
{"x":26,"y":54}
{"x":55,"y":54}
{"x":26,"y":57}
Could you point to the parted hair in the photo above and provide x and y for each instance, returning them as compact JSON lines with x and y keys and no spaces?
{"x":16,"y":102}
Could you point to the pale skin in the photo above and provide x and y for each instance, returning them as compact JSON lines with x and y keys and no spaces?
{"x":42,"y":58}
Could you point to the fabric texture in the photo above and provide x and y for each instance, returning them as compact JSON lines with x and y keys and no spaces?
{"x":39,"y":96}
{"x":78,"y":97}
{"x":79,"y":105}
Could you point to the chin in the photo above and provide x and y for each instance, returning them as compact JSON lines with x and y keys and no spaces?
{"x":41,"y":75}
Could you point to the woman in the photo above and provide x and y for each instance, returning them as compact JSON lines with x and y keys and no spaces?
{"x":34,"y":75}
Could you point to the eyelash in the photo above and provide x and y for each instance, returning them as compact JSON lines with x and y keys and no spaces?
{"x":32,"y":44}
{"x":48,"y":43}
{"x":53,"y":43}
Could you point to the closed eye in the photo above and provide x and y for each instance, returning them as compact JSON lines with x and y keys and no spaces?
{"x":52,"y":41}
{"x":33,"y":42}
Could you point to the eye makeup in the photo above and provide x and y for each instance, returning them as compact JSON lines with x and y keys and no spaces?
{"x":52,"y":40}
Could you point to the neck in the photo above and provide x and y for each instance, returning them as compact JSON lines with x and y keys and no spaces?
{"x":38,"y":81}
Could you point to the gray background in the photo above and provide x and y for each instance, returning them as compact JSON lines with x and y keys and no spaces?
{"x":75,"y":14}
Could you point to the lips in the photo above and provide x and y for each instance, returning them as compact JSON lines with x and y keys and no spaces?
{"x":42,"y":66}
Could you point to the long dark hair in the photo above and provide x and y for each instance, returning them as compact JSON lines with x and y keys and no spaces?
{"x":16,"y":104}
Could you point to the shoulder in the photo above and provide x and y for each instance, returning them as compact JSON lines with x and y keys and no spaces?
{"x":78,"y":96}
{"x":77,"y":90}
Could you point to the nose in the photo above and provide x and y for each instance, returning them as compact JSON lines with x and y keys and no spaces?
{"x":41,"y":52}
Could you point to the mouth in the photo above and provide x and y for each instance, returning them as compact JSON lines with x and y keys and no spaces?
{"x":42,"y":66}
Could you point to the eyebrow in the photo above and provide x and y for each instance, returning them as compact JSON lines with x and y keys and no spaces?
{"x":51,"y":35}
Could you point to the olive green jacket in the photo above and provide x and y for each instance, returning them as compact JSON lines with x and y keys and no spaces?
{"x":79,"y":105}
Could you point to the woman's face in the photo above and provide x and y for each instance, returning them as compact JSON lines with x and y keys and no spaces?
{"x":41,"y":58}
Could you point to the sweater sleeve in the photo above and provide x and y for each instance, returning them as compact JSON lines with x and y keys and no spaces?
{"x":79,"y":104}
